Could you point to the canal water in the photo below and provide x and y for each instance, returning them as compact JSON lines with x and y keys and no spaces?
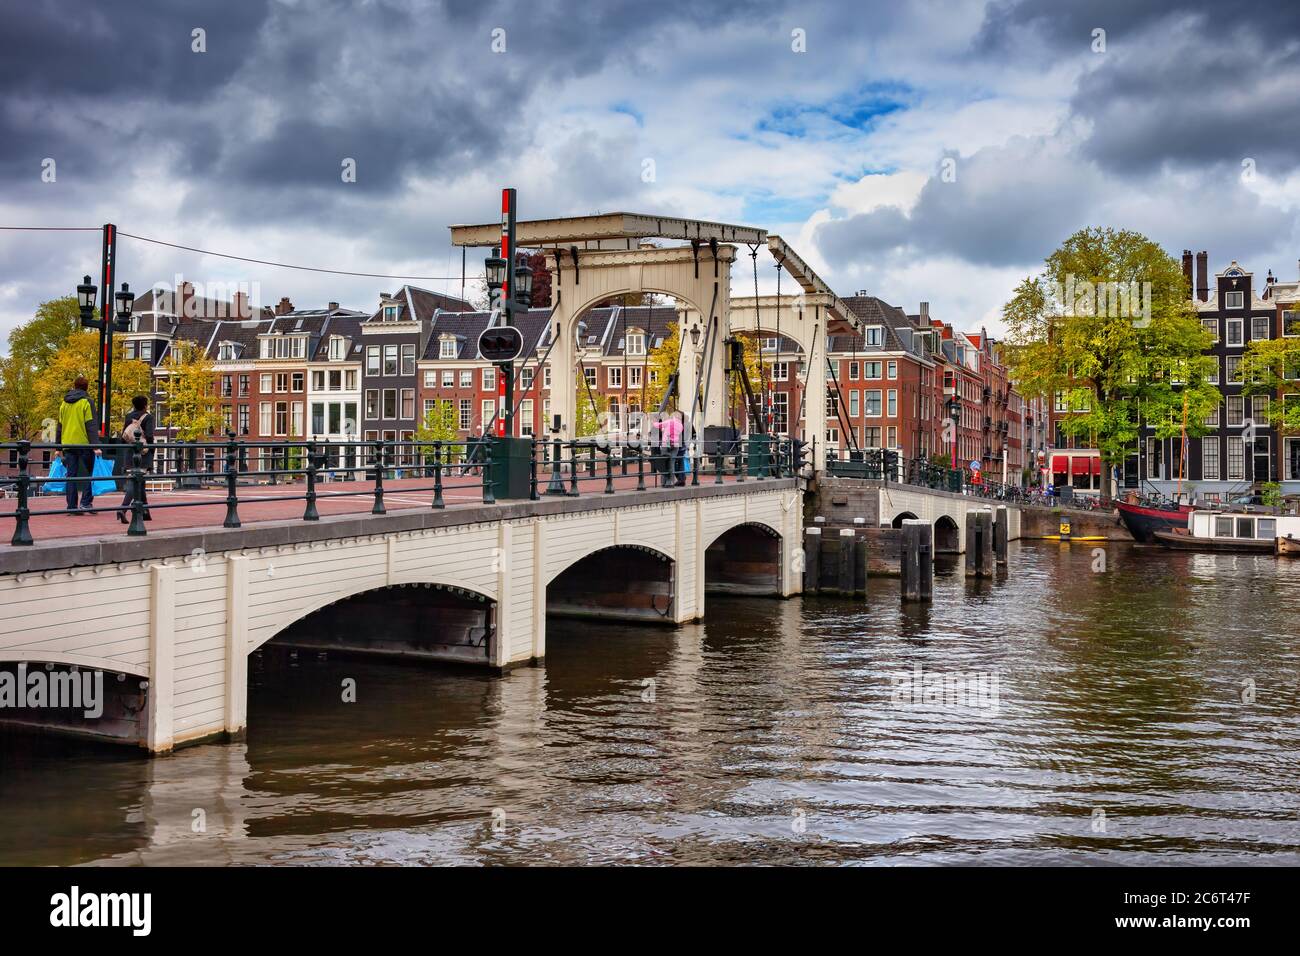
{"x":1142,"y":711}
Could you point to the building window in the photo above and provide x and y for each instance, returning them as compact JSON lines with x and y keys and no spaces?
{"x":338,"y":348}
{"x":546,"y":377}
{"x":128,"y":350}
{"x":873,"y":335}
{"x":467,"y":378}
{"x":1291,"y":323}
{"x":264,"y":418}
{"x":1211,"y":326}
{"x":1234,"y":300}
{"x":853,"y":404}
{"x":466,"y":413}
{"x":634,"y":376}
{"x":526,"y":378}
{"x":430,"y":378}
{"x":265,"y":383}
{"x":1235,"y":410}
{"x":317,"y":381}
{"x":1234,"y":327}
{"x":281,"y":382}
{"x":615,"y":375}
{"x":447,"y":347}
{"x":225,"y":352}
{"x":390,"y":359}
{"x":390,"y":313}
{"x":243,"y":419}
{"x":891,"y":409}
{"x":408,"y":403}
{"x":636,"y":343}
{"x":281,"y":418}
{"x":336,"y":380}
{"x":390,"y":403}
{"x":146,"y":351}
{"x":489,"y":408}
{"x":298,"y":381}
{"x":1236,"y":459}
{"x":769,"y":344}
{"x":589,"y":373}
{"x":1212,"y":374}
{"x":853,"y":371}
{"x":871,"y":403}
{"x":1259,"y":409}
{"x":350,"y":379}
{"x":526,"y":417}
{"x":892,"y":369}
{"x":448,"y":378}
{"x":295,"y":425}
{"x":1259,"y":327}
{"x":892,"y":441}
{"x":1232,"y":368}
{"x":780,"y":371}
{"x":1210,"y":458}
{"x":1212,"y":419}
{"x":372,"y":403}
{"x":227,"y":386}
{"x":871,"y":370}
{"x":489,"y":380}
{"x":871,"y":436}
{"x":372,"y":359}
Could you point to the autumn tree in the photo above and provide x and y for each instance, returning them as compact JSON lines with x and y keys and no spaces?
{"x":1108,"y":324}
{"x":1272,"y":367}
{"x":79,"y":357}
{"x":193,"y":412}
{"x":591,"y":408}
{"x":661,"y":365}
{"x":32,"y":346}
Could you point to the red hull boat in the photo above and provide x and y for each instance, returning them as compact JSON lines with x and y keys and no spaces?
{"x":1144,"y":521}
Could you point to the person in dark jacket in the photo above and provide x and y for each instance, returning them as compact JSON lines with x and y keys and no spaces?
{"x":138,"y":426}
{"x":78,"y":437}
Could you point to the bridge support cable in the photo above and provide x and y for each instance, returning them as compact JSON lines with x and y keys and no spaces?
{"x":841,"y":415}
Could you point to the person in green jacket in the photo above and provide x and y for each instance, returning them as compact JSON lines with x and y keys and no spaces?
{"x":77,"y":436}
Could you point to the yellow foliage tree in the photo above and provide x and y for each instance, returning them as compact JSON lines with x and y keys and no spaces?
{"x":192,"y":407}
{"x":79,"y":356}
{"x":591,"y":408}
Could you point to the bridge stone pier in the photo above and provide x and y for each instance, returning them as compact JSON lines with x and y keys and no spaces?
{"x":170,"y":619}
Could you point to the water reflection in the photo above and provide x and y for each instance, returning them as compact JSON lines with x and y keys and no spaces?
{"x":766,"y":734}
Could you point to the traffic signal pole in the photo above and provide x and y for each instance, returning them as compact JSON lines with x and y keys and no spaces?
{"x":506,"y":371}
{"x":107,"y":274}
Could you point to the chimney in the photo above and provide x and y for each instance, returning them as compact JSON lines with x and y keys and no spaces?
{"x":284,"y":307}
{"x":1187,"y":271}
{"x":925,"y":311}
{"x":334,"y":307}
{"x":239,"y":308}
{"x":1203,"y":276}
{"x":186,"y":296}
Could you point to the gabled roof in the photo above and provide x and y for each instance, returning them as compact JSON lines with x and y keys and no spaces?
{"x":344,"y":322}
{"x":468,"y":326}
{"x":416,"y":305}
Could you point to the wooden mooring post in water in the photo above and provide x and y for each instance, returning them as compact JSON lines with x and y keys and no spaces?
{"x":916,"y":560}
{"x":979,"y":543}
{"x":812,"y":560}
{"x":1001,"y":533}
{"x":834,"y":563}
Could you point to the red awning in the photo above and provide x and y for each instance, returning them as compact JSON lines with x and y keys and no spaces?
{"x":1079,"y":466}
{"x":1096,"y":466}
{"x":1059,"y":464}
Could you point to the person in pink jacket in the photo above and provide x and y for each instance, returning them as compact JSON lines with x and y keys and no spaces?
{"x":671,"y":430}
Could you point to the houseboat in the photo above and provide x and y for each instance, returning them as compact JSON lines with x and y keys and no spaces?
{"x":1144,"y":520}
{"x":1232,"y":531}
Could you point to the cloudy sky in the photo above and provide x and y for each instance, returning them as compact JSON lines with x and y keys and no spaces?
{"x":930,"y":151}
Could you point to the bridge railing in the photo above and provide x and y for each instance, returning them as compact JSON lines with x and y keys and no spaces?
{"x":564,"y":466}
{"x":882,"y":464}
{"x":244,"y":467}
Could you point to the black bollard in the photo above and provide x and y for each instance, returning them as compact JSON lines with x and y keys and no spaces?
{"x":1001,"y":532}
{"x":847,"y":540}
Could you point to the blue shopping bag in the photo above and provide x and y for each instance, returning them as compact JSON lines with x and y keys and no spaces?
{"x":57,"y":470}
{"x":103,"y":469}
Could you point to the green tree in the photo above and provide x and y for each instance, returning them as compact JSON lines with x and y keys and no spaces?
{"x":32,"y":347}
{"x":1272,"y":367}
{"x":591,"y":408}
{"x":192,"y":407}
{"x":661,"y":364}
{"x":37,"y":340}
{"x":1109,"y":325}
{"x":79,"y":356}
{"x":440,"y":424}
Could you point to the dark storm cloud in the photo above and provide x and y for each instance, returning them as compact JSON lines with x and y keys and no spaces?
{"x":1186,"y":85}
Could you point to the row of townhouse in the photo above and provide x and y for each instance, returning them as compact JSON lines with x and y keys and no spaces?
{"x":338,"y":375}
{"x":1241,"y":448}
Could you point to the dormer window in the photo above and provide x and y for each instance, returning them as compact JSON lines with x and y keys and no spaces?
{"x":338,"y":348}
{"x":226,"y":352}
{"x":447,"y":347}
{"x":390,"y":313}
{"x":636,"y":343}
{"x":279,"y":346}
{"x":769,"y":345}
{"x":873,"y":335}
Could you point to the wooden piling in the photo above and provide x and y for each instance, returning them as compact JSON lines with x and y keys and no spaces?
{"x":847,"y":539}
{"x":812,"y":560}
{"x":1001,"y":532}
{"x":917,"y":560}
{"x":979,"y":543}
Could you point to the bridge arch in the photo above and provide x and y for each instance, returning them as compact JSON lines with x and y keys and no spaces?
{"x":745,"y":559}
{"x":947,"y":535}
{"x":627,"y":581}
{"x":901,"y":517}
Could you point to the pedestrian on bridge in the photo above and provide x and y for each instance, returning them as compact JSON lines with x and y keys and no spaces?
{"x":77,"y":439}
{"x":671,"y":430}
{"x":138,"y":426}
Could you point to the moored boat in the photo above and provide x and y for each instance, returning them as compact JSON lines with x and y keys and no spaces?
{"x":1232,"y":531}
{"x":1288,"y":546}
{"x":1143,"y":521}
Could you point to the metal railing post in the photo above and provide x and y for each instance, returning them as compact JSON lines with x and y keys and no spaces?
{"x":310,"y":513}
{"x":532,"y":468}
{"x":437,"y":476}
{"x":489,"y":498}
{"x":640,"y":467}
{"x":378,"y":508}
{"x":137,"y":528}
{"x":22,"y":514}
{"x":609,"y":470}
{"x":232,"y":493}
{"x":575,"y":465}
